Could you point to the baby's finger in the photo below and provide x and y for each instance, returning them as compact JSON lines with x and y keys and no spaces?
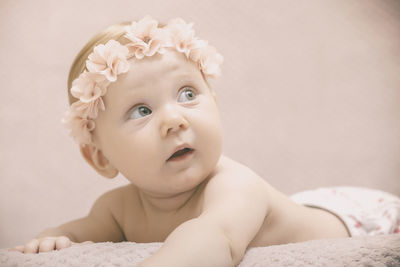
{"x":17,"y":248}
{"x":62,"y":242}
{"x":47,"y":245}
{"x":32,"y":246}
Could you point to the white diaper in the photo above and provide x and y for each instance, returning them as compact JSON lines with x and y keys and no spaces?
{"x":364,"y":211}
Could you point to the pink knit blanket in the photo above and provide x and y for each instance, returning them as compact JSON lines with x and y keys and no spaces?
{"x":381,"y":250}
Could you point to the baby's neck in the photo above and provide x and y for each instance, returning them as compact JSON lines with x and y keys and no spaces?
{"x":174,"y":203}
{"x":170,"y":204}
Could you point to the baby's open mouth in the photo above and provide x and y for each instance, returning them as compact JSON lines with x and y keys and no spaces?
{"x":180,"y":153}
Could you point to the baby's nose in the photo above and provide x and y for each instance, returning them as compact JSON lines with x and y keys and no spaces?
{"x":172,"y":121}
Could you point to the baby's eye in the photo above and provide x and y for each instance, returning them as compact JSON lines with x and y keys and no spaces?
{"x":189,"y":94}
{"x":140,"y":112}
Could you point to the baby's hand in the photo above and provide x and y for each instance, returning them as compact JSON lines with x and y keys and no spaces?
{"x":46,"y":244}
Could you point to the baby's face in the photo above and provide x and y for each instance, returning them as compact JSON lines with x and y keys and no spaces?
{"x":161,"y":103}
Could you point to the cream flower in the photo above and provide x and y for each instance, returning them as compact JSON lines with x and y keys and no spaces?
{"x":146,"y":38}
{"x":208,"y":60}
{"x":89,"y":86}
{"x":182,"y":36}
{"x":80,"y":127}
{"x":90,"y":109}
{"x":109,"y":59}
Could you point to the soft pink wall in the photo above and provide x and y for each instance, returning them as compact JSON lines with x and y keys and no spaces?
{"x":310,"y":96}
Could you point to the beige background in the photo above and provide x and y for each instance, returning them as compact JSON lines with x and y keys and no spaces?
{"x":309,"y":96}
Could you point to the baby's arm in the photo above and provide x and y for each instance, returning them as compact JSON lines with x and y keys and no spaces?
{"x":98,"y":226}
{"x":235,"y":206}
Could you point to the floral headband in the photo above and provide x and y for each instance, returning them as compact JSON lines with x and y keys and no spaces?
{"x":109,"y":60}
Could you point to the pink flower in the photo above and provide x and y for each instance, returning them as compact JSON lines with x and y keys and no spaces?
{"x":182,"y":36}
{"x":89,"y":86}
{"x":208,"y":60}
{"x":80,"y":127}
{"x":146,"y":38}
{"x":109,"y":59}
{"x":88,"y":110}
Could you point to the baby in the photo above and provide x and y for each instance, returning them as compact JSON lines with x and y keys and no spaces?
{"x":141,"y":105}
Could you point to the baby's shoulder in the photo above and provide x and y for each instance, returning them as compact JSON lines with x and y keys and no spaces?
{"x":232,"y":176}
{"x":120,"y":193}
{"x":230,"y":171}
{"x":116,"y":199}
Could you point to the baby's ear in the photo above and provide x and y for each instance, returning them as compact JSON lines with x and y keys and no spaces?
{"x":98,"y":161}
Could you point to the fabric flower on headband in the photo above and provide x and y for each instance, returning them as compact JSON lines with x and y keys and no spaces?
{"x":109,"y":60}
{"x":182,"y":36}
{"x":146,"y":38}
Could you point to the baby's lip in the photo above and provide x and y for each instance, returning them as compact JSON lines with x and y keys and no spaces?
{"x":180,"y":147}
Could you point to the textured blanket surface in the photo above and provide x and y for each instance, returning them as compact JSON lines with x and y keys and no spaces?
{"x":383,"y":250}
